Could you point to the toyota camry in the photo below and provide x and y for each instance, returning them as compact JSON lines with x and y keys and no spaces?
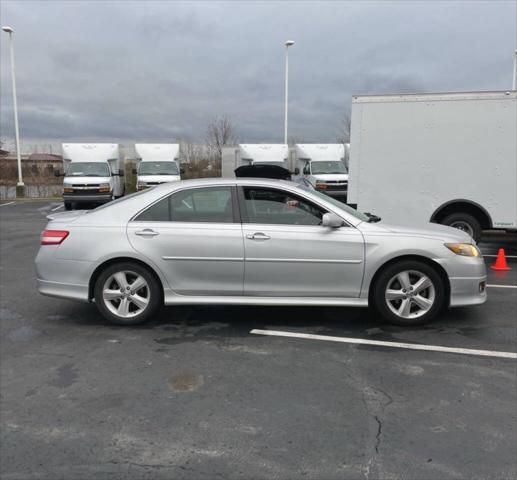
{"x":253,"y":242}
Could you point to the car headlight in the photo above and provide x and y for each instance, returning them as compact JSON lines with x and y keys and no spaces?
{"x":104,"y":188}
{"x":464,"y":249}
{"x":321,"y":185}
{"x":68,"y":190}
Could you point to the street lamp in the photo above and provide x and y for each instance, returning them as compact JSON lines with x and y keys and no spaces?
{"x":10,"y":31}
{"x":288,"y":44}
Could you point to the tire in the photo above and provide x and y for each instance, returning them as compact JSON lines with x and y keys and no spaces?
{"x":464,"y":222}
{"x":68,"y":205}
{"x":393,"y":310}
{"x":127,"y":307}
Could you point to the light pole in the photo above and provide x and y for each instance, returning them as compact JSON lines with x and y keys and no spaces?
{"x":10,"y":31}
{"x":288,"y":44}
{"x":514,"y":69}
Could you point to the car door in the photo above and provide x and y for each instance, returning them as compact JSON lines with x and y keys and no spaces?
{"x":287,"y":251}
{"x":195,"y":237}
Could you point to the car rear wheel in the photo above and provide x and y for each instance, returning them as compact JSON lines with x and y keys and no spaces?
{"x":409,"y":293}
{"x":127,"y":294}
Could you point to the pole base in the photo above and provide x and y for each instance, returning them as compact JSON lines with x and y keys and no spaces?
{"x":20,"y":191}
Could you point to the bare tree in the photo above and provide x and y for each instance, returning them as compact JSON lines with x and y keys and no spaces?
{"x":220,"y":133}
{"x":344,"y":129}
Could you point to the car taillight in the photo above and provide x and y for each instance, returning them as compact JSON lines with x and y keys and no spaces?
{"x":53,"y":237}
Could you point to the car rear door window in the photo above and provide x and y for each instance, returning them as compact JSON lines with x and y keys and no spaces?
{"x":209,"y":204}
{"x":278,"y":207}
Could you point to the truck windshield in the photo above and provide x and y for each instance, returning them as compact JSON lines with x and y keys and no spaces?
{"x":84,"y":169}
{"x":158,"y":168}
{"x":320,"y":168}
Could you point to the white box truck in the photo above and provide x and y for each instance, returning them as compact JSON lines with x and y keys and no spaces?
{"x":254,"y":154}
{"x":323,"y":165}
{"x":92,"y":173}
{"x":158,"y":163}
{"x":449,"y":158}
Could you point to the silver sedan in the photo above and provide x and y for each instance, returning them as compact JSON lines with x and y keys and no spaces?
{"x":256,"y":242}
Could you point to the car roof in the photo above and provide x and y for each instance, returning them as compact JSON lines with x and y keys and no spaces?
{"x":223,"y":181}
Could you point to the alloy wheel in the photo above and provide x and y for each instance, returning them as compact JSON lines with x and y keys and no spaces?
{"x":410,"y":294}
{"x":126,"y":294}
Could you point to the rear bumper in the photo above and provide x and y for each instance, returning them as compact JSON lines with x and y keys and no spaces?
{"x":63,"y":290}
{"x":87,"y":198}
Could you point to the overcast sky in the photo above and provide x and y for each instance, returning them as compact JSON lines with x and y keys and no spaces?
{"x":158,"y":71}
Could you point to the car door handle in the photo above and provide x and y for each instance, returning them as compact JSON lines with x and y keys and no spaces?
{"x":147,"y":232}
{"x":258,"y":236}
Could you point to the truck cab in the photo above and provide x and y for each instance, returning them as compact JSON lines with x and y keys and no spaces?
{"x":158,"y":163}
{"x":92,"y":173}
{"x":323,"y":166}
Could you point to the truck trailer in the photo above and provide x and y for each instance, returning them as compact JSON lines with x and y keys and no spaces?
{"x":448,"y":158}
{"x":254,"y":154}
{"x":323,"y":165}
{"x":92,"y":173}
{"x":158,"y":163}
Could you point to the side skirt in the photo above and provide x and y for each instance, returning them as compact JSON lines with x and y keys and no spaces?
{"x":173,"y":299}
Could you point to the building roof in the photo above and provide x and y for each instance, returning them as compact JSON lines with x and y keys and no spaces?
{"x":44,"y":157}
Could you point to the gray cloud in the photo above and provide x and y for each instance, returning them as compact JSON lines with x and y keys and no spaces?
{"x":157,"y":71}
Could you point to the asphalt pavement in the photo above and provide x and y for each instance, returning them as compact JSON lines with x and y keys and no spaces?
{"x":194,"y":394}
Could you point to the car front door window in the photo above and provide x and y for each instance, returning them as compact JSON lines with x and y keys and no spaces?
{"x":278,"y":207}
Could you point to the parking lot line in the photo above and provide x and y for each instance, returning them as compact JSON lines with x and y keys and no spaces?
{"x":4,"y":204}
{"x":495,"y":256}
{"x":408,"y":346}
{"x":502,"y":286}
{"x":57,"y":208}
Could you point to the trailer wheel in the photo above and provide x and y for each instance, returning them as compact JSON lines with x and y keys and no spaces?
{"x":465,"y":222}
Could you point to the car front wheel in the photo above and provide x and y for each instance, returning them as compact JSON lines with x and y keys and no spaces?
{"x":409,"y":293}
{"x":127,"y":294}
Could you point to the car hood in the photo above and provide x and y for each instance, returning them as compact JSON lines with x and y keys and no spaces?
{"x":67,"y":216}
{"x":429,"y":230}
{"x":331,"y":176}
{"x":158,"y":178}
{"x":85,"y":180}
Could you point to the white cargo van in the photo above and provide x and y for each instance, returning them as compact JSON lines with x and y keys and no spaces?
{"x":92,"y":173}
{"x":323,"y":165}
{"x":254,"y":154}
{"x":158,"y":163}
{"x":449,"y":158}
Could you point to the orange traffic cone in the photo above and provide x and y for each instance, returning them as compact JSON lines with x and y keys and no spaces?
{"x":500,"y":261}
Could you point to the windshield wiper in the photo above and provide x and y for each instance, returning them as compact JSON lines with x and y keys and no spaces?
{"x":372,"y":218}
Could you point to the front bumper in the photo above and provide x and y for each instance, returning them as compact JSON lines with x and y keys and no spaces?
{"x":466,"y":291}
{"x":87,"y":198}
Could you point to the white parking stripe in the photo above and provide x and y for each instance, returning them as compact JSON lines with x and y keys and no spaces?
{"x":495,"y":256}
{"x":502,"y":286}
{"x":409,"y":346}
{"x":4,"y":204}
{"x":57,"y":208}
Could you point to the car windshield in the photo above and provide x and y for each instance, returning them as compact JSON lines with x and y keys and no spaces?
{"x":158,"y":168}
{"x":84,"y":169}
{"x":319,"y":168}
{"x":337,"y":203}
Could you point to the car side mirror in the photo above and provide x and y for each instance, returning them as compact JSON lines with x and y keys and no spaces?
{"x":331,"y":220}
{"x":297,"y":171}
{"x":57,"y":173}
{"x":120,"y":173}
{"x":134,"y":171}
{"x":182,"y":171}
